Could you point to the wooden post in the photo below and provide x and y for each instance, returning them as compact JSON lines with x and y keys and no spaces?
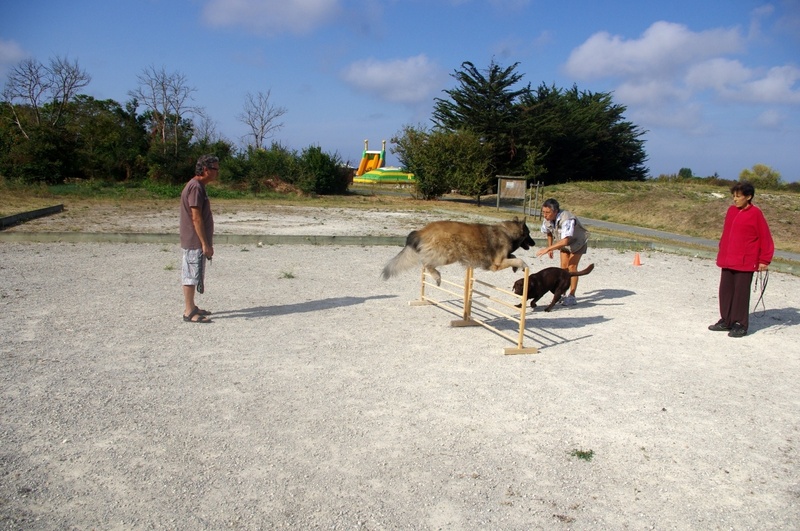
{"x":422,"y":300}
{"x":523,"y":308}
{"x":467,"y":316}
{"x":467,"y":293}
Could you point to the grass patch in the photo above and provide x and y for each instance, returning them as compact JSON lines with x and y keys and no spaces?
{"x":286,"y":274}
{"x":586,"y":455}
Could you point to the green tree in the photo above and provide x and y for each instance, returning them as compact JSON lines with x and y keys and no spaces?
{"x":171,"y":160}
{"x":761,"y":176}
{"x":685,"y":173}
{"x":258,"y":169}
{"x":443,"y":160}
{"x":485,"y":104}
{"x":469,"y":162}
{"x":407,"y":145}
{"x":581,"y":135}
{"x":532,"y":166}
{"x":36,"y":101}
{"x":424,"y":154}
{"x":43,"y":157}
{"x":110,"y":140}
{"x":321,"y":172}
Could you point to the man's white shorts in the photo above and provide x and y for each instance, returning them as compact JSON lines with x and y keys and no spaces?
{"x":192,"y":267}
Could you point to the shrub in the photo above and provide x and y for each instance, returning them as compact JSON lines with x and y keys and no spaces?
{"x":321,"y":172}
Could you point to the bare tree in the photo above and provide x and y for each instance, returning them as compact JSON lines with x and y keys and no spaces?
{"x":179,"y":95}
{"x":32,"y":84}
{"x":205,"y":129}
{"x":66,"y":79}
{"x":260,"y":116}
{"x":152,"y":93}
{"x":166,"y":96}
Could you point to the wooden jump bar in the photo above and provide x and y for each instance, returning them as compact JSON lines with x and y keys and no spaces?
{"x":468,"y":299}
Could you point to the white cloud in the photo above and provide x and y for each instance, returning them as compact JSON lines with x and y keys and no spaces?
{"x":732,"y":81}
{"x":770,"y":119}
{"x":756,"y":16}
{"x":662,"y":48}
{"x":778,"y":86}
{"x":650,"y":93}
{"x":667,"y":75}
{"x":11,"y":53}
{"x":513,"y":48}
{"x":271,"y":17}
{"x":411,"y":81}
{"x":718,"y":74}
{"x":687,"y":117}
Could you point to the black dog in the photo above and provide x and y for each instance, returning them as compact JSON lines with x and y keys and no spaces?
{"x":552,"y":279}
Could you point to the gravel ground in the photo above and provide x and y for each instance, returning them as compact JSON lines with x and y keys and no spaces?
{"x":319,"y":398}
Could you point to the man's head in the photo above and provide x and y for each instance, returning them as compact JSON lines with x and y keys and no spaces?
{"x":206,"y":164}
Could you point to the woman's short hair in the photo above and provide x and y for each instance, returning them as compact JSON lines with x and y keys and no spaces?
{"x":745,"y":188}
{"x":204,"y":163}
{"x":552,"y":204}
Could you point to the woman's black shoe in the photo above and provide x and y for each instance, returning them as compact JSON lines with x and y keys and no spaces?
{"x":719,"y":326}
{"x":737,"y":330}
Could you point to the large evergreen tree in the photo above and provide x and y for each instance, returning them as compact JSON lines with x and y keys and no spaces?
{"x":567,"y":135}
{"x":581,"y":136}
{"x":484,"y":103}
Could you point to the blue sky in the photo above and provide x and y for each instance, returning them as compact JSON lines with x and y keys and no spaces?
{"x":716,"y":83}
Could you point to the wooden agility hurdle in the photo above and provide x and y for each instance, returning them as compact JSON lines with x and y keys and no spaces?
{"x":467,"y":295}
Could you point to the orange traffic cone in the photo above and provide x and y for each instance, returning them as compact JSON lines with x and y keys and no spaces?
{"x":636,"y":260}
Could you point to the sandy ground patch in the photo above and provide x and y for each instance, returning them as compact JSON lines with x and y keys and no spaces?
{"x":249,"y":219}
{"x":319,"y":398}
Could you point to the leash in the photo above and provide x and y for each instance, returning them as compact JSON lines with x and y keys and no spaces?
{"x":762,"y":278}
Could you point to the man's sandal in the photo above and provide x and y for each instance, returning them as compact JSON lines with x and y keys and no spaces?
{"x":200,"y":317}
{"x":201,"y":312}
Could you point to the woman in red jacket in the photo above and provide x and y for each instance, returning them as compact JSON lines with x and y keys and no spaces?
{"x":745,"y":247}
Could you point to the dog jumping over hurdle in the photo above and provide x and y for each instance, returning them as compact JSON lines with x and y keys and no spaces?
{"x":477,"y":245}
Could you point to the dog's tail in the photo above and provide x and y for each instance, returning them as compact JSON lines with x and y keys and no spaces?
{"x":582,"y":272}
{"x":405,"y":259}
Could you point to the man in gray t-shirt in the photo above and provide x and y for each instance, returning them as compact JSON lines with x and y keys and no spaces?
{"x":197,"y":235}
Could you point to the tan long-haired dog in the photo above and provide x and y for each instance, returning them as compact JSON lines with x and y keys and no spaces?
{"x":472,"y":244}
